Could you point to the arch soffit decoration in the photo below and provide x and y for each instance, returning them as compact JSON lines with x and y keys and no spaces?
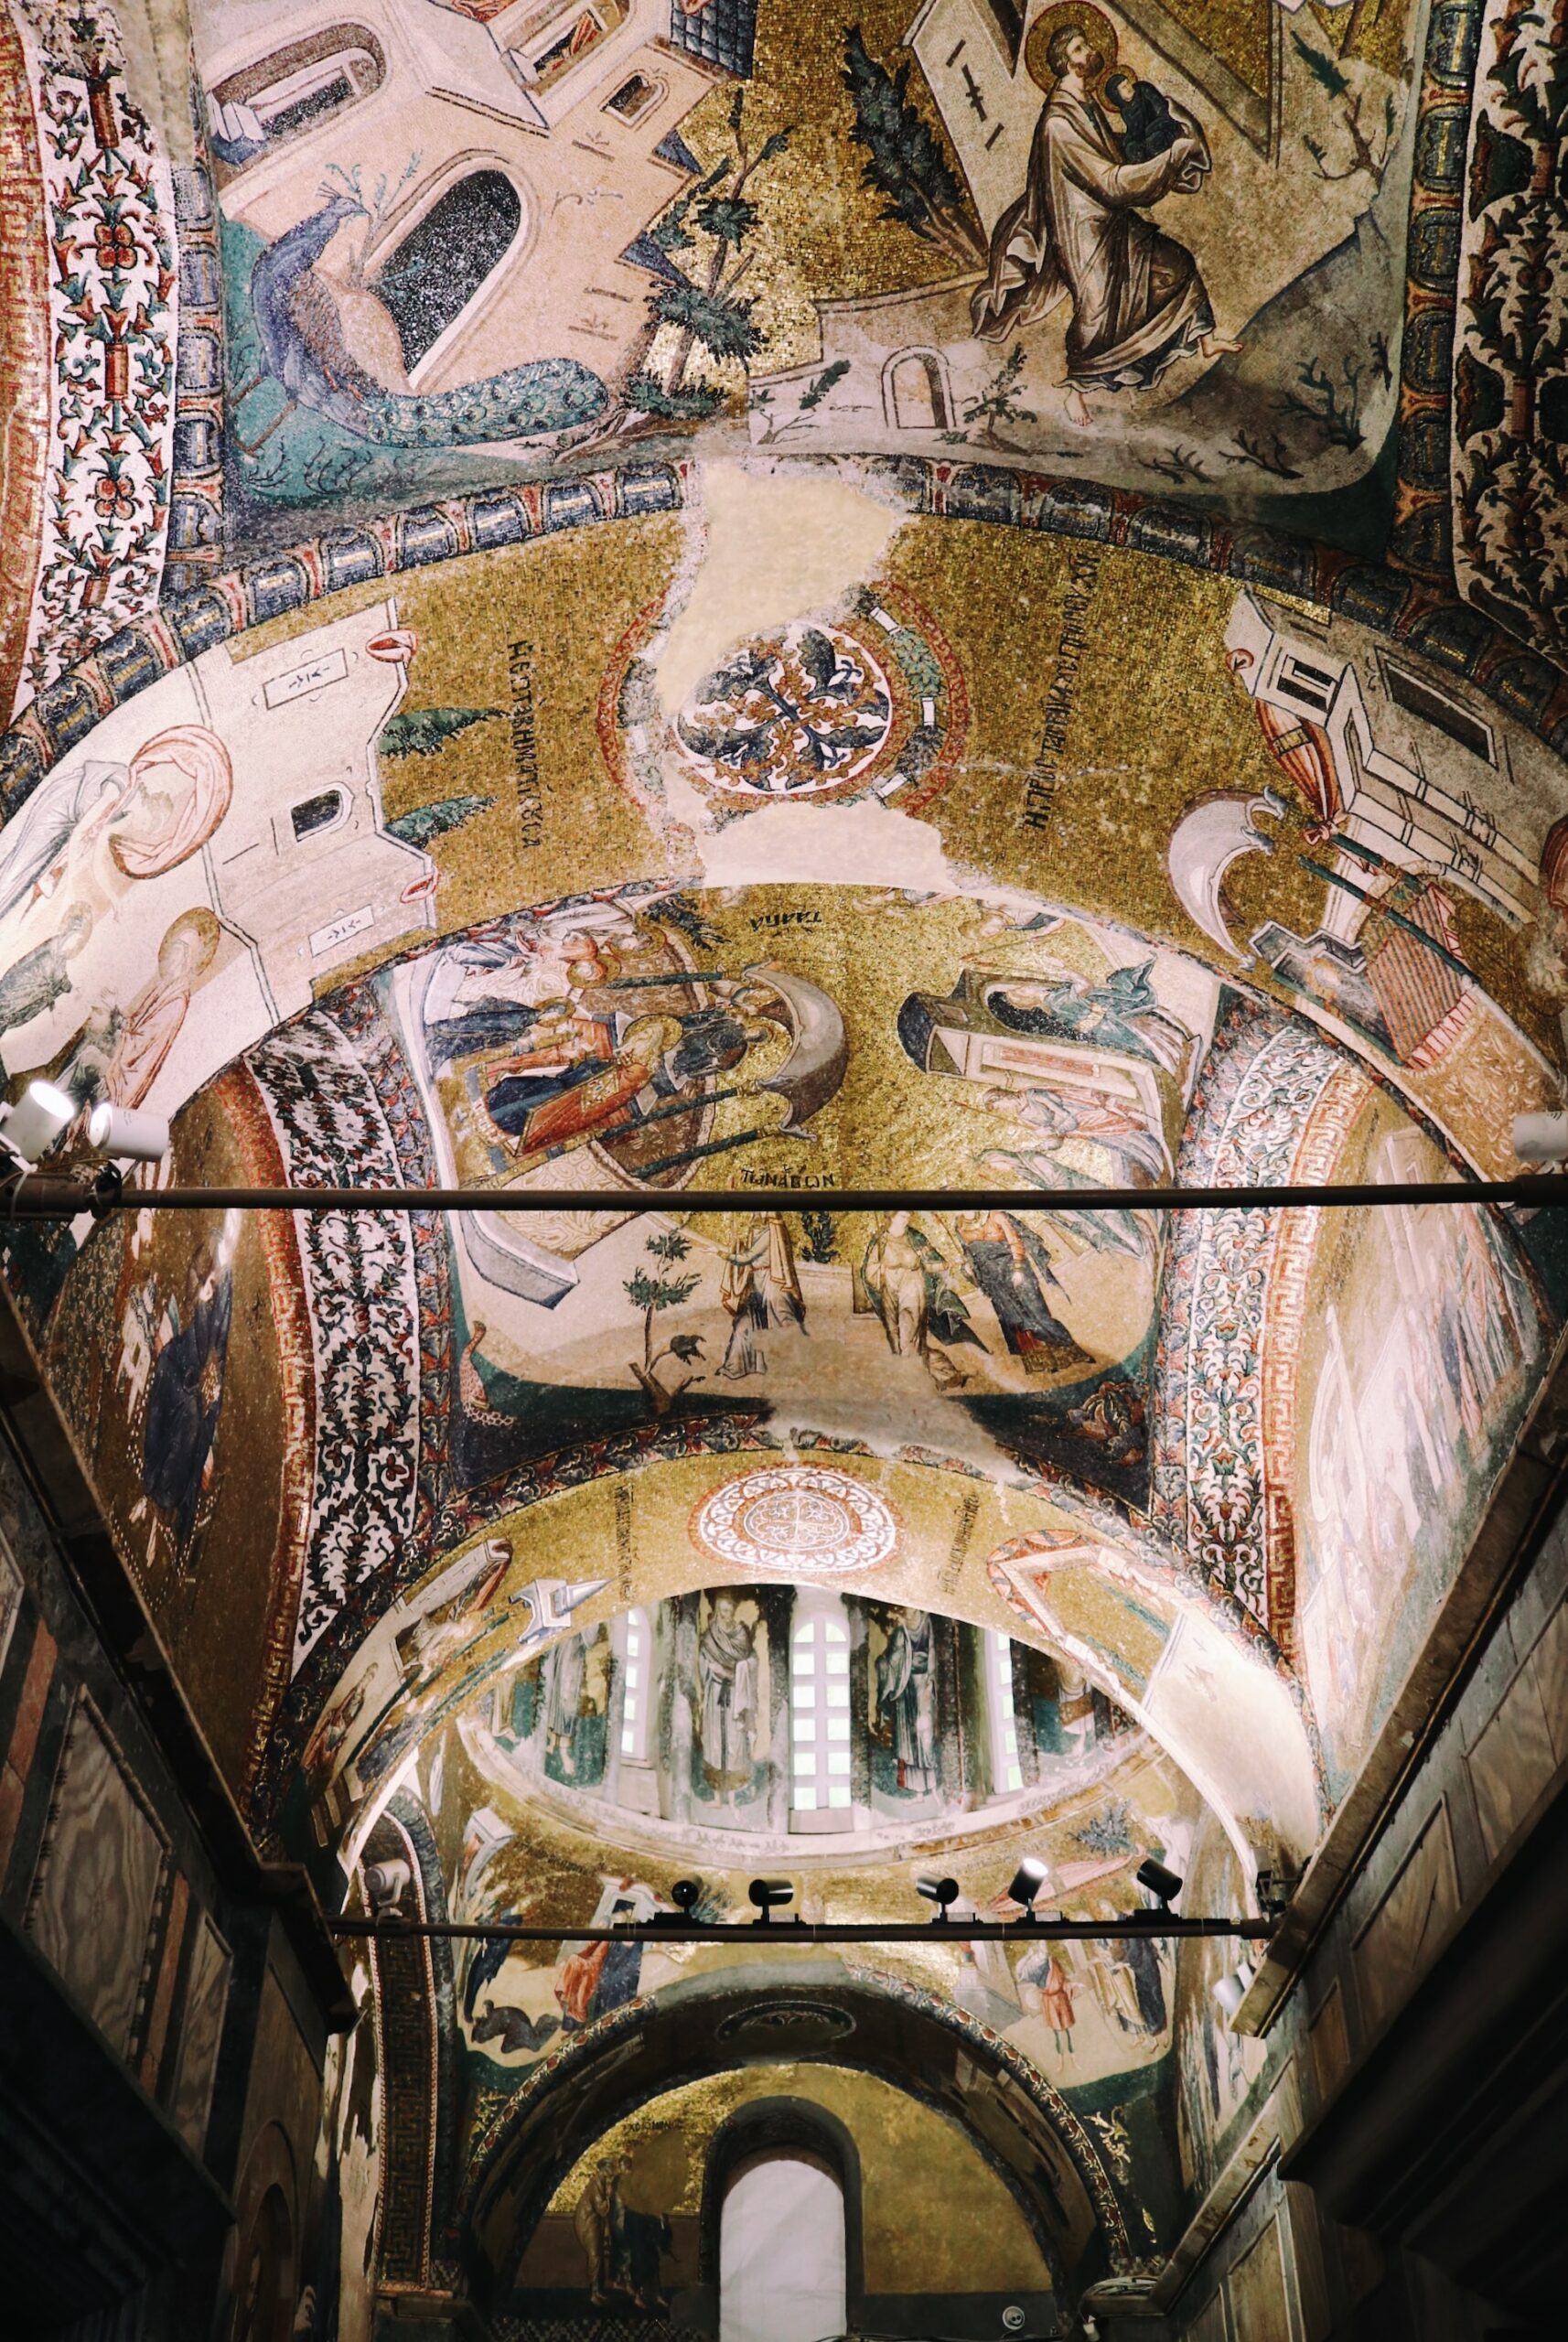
{"x":621,"y":2062}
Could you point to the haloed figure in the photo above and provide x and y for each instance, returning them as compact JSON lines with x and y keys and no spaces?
{"x":185,"y":1394}
{"x":726,"y":1670}
{"x":905,"y":1700}
{"x":1080,"y":229}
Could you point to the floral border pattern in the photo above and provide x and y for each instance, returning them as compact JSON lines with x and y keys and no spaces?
{"x":1252,"y":1124}
{"x":363,"y":1299}
{"x":1510,"y":341}
{"x":109,"y":205}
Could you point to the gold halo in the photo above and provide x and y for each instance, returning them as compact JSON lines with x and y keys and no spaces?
{"x":1086,"y":18}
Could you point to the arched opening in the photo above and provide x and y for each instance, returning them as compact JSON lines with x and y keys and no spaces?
{"x":263,"y":2310}
{"x":445,"y":258}
{"x":915,"y":391}
{"x":292,"y":92}
{"x":637,"y":1702}
{"x":782,"y":2250}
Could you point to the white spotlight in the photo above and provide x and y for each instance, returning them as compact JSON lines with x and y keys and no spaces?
{"x":1231,"y":1991}
{"x":126,"y":1133}
{"x":32,"y":1125}
{"x":1540,"y":1138}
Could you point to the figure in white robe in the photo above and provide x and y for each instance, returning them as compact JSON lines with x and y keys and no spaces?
{"x":726,"y":1673}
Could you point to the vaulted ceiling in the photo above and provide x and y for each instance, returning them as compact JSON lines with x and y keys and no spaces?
{"x":587,"y":606}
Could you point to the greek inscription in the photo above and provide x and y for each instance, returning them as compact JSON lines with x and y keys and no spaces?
{"x":1046,"y":772}
{"x":524,"y":745}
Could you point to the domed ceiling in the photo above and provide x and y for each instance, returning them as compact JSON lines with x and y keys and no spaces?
{"x":633,"y":596}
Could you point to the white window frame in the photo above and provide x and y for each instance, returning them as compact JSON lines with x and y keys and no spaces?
{"x":819,"y":1715}
{"x":396,"y":231}
{"x":1002,"y":1715}
{"x":1309,"y":685}
{"x":658,"y":90}
{"x":637,"y":1687}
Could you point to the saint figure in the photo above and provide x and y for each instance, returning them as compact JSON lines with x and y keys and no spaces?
{"x":760,"y":1288}
{"x":121,"y":1052}
{"x":32,"y":984}
{"x":726,"y":1673}
{"x":1011,"y":1267}
{"x":185,"y":1393}
{"x":905,"y":1700}
{"x":1042,"y":1972}
{"x":599,"y":2222}
{"x":1079,"y":230}
{"x":587,"y":1074}
{"x":562,"y":1672}
{"x":909,"y":1285}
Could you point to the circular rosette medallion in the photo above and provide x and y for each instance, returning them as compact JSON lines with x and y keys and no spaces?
{"x":791,"y":714}
{"x":868,"y":702}
{"x":794,"y":1518}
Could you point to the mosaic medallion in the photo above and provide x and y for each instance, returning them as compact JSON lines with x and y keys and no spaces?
{"x":869,"y":702}
{"x":796,"y":1518}
{"x":788,"y":716}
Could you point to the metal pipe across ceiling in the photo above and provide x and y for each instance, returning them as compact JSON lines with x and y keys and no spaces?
{"x":790,"y":1932}
{"x":51,"y":1195}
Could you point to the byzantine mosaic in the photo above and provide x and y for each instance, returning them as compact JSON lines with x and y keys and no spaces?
{"x":1300,"y":893}
{"x":105,"y":197}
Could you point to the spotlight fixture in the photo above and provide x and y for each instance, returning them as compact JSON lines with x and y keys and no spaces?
{"x":685,"y":1895}
{"x":1276,"y":1888}
{"x":939,"y":1891}
{"x":37,"y":1120}
{"x":1540,"y":1138}
{"x":1231,"y":1991}
{"x":1030,"y":1881}
{"x":124,"y":1133}
{"x":770,"y":1895}
{"x":1163,"y":1883}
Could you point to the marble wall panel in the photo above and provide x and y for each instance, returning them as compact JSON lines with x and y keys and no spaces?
{"x":96,"y":1890}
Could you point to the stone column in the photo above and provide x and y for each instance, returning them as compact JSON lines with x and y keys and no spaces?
{"x":1024,"y":1716}
{"x":682,"y":1712}
{"x":614,"y":1709}
{"x":777,"y":1606}
{"x":949,"y":1737}
{"x":859,"y":1705}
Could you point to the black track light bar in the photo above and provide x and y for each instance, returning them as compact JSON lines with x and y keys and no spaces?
{"x":779,"y":1933}
{"x":55,"y":1196}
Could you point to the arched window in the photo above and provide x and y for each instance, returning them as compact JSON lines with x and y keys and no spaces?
{"x":294,"y":91}
{"x":321,"y":812}
{"x":638,"y":1664}
{"x":819,"y":1713}
{"x":634,"y":98}
{"x":1006,"y":1772}
{"x":782,"y":2250}
{"x":446,"y":257}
